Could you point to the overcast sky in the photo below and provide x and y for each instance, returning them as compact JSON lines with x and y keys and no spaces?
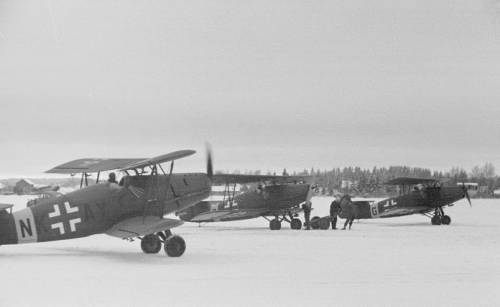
{"x":271,"y":84}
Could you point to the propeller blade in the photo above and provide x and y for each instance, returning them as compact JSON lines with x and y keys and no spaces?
{"x":210,"y":169}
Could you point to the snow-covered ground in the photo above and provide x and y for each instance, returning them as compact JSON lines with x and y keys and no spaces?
{"x":391,"y":262}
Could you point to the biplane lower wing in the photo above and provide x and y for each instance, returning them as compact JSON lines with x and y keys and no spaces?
{"x":224,"y":215}
{"x":400,"y":211}
{"x":141,"y":226}
{"x":234,"y":214}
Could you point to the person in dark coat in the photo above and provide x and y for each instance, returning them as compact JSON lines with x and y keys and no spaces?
{"x":348,"y":211}
{"x":335,"y":210}
{"x":307,"y":214}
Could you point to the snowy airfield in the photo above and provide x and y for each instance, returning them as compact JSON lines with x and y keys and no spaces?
{"x":386,"y":262}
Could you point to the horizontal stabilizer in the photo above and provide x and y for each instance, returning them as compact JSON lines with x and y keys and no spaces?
{"x":141,"y":226}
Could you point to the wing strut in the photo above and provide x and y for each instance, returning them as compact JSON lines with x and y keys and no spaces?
{"x":155,"y":196}
{"x":167,"y":188}
{"x":85,"y":179}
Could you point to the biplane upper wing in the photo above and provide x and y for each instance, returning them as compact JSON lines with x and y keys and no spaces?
{"x":409,"y":181}
{"x":91,"y":165}
{"x":94,"y":165}
{"x":160,"y":159}
{"x":242,"y":179}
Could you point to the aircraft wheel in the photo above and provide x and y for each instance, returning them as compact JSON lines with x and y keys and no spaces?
{"x":315,"y":222}
{"x":436,"y":220}
{"x":151,"y":244}
{"x":296,"y":224}
{"x":324,"y":224}
{"x":275,"y":224}
{"x":175,"y":246}
{"x":446,"y":220}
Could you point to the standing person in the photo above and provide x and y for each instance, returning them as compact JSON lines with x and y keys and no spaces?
{"x":348,"y":211}
{"x":307,"y":214}
{"x":335,"y":210}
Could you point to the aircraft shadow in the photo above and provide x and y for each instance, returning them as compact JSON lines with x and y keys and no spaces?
{"x":69,"y":252}
{"x":49,"y":253}
{"x":238,"y":229}
{"x":419,"y":224}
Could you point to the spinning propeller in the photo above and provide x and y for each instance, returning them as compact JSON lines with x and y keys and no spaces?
{"x":210,"y":168}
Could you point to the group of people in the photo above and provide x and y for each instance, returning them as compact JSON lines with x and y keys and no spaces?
{"x":337,"y":206}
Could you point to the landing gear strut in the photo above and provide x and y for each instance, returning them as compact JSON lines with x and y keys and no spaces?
{"x":174,"y":245}
{"x":289,"y":217}
{"x":440,"y":218}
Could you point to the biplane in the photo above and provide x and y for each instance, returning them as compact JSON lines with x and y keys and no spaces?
{"x":275,"y":198}
{"x":134,"y":208}
{"x":416,"y":196}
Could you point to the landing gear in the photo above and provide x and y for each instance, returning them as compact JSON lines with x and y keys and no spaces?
{"x":440,"y":218}
{"x":151,"y":244}
{"x":296,"y":224}
{"x":315,"y":222}
{"x":445,"y":220}
{"x":174,"y":245}
{"x":289,"y":217}
{"x":324,"y":223}
{"x":436,"y":220}
{"x":275,"y":224}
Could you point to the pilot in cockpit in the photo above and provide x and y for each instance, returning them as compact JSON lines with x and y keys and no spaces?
{"x":112,"y":178}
